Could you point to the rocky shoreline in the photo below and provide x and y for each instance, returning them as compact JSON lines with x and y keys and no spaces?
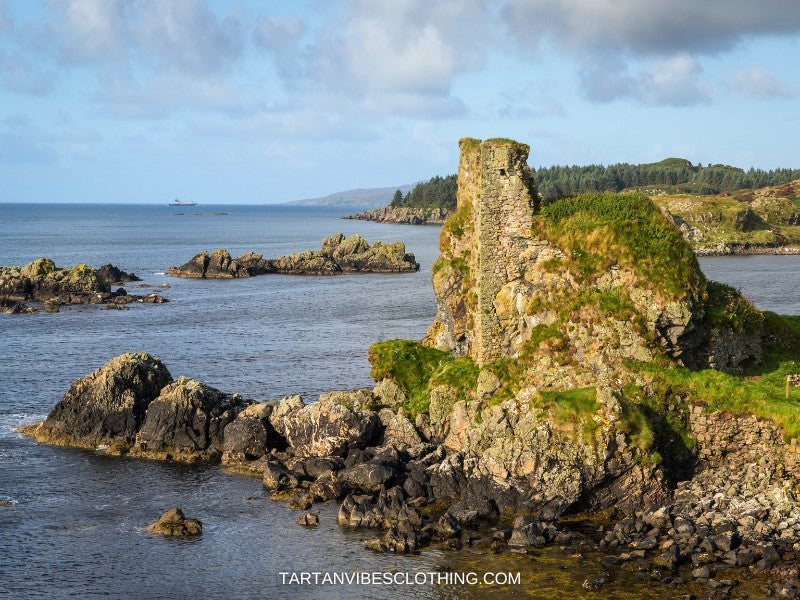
{"x":747,"y":250}
{"x":338,"y":255}
{"x":579,"y":363}
{"x":403,"y":215}
{"x":412,"y":482}
{"x":50,"y":287}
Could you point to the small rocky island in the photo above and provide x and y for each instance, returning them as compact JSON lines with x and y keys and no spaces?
{"x":580,"y":363}
{"x":403,"y":215}
{"x":50,"y":287}
{"x":339,"y":254}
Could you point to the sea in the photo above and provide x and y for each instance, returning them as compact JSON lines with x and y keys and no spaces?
{"x":72,"y":524}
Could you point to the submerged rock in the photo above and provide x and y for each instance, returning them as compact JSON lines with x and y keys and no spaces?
{"x":309,"y":519}
{"x":174,"y":523}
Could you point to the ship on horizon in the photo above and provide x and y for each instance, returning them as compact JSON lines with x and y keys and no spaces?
{"x":177,"y":202}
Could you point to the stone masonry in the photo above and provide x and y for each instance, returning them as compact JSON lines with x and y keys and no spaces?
{"x":495,"y":178}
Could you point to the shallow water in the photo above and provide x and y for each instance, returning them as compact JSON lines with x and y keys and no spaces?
{"x":75,"y":529}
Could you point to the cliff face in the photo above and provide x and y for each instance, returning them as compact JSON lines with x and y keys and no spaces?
{"x":573,"y":288}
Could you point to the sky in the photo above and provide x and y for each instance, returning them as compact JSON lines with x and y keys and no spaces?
{"x":261,"y":102}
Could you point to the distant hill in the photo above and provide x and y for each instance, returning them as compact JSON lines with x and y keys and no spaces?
{"x":357,"y":197}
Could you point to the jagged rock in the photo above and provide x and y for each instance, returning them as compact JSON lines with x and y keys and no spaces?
{"x":354,"y":254}
{"x":303,"y":502}
{"x":389,"y":393}
{"x":42,"y":281}
{"x":287,"y":406}
{"x":186,"y":421}
{"x":368,"y":477}
{"x":400,"y":433}
{"x":106,"y":407}
{"x":331,"y":426}
{"x":403,"y":215}
{"x":278,"y":477}
{"x":220,"y":265}
{"x":338,"y":255}
{"x":114,"y":275}
{"x":174,"y":523}
{"x":308,"y":519}
{"x":527,"y":532}
{"x":250,"y":436}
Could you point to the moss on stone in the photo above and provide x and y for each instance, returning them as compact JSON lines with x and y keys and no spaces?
{"x":417,"y":368}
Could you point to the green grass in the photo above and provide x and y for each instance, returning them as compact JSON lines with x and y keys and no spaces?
{"x":761,"y":391}
{"x":726,"y":308}
{"x":600,"y":230}
{"x":417,"y":368}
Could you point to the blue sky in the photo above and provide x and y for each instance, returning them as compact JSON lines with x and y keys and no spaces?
{"x":251,"y":102}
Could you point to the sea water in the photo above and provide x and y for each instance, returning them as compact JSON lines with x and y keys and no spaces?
{"x":75,"y":527}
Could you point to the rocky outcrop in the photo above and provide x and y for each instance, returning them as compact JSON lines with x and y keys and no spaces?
{"x":42,"y":282}
{"x":174,"y":523}
{"x":107,"y":407}
{"x":338,"y":255}
{"x":331,"y":426}
{"x":186,"y":422}
{"x":131,"y":405}
{"x":220,"y":265}
{"x":403,"y":215}
{"x":249,"y":437}
{"x":114,"y":275}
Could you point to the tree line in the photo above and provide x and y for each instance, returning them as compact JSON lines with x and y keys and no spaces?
{"x":673,"y":175}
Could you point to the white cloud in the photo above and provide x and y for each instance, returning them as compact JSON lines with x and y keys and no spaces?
{"x":649,"y":27}
{"x":400,"y":55}
{"x":756,"y":82}
{"x":675,"y":81}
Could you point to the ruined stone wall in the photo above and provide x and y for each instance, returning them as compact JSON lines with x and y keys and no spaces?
{"x":722,"y":434}
{"x":496,"y":181}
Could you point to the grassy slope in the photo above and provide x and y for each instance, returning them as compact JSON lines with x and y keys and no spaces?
{"x":593,"y":229}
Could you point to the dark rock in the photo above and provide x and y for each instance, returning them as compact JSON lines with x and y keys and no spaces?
{"x":106,"y":407}
{"x":278,"y":477}
{"x":669,"y":558}
{"x":250,"y":436}
{"x":527,"y":532}
{"x":338,"y":254}
{"x":447,"y":526}
{"x":701,"y":573}
{"x":327,"y":487}
{"x":368,"y":477}
{"x":593,"y":584}
{"x":308,"y":519}
{"x":303,"y":502}
{"x":114,"y":275}
{"x":186,"y":421}
{"x":315,"y":466}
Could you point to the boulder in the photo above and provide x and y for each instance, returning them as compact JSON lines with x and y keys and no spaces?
{"x":174,"y":523}
{"x":250,"y":436}
{"x":331,"y":426}
{"x":106,"y":407}
{"x":114,"y":275}
{"x":309,"y":262}
{"x":308,"y":519}
{"x":186,"y":421}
